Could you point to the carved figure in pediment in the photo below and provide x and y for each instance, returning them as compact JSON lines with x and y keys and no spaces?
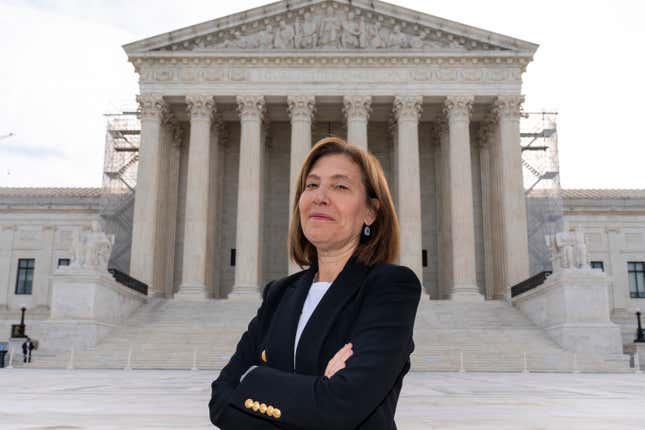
{"x":252,"y":41}
{"x":373,"y":36}
{"x":418,"y":42}
{"x":266,"y":38}
{"x":307,"y":32}
{"x":454,"y":44}
{"x":397,"y":39}
{"x":431,"y":42}
{"x":238,"y":42}
{"x":351,"y":33}
{"x":363,"y":42}
{"x":284,"y":38}
{"x":329,"y":33}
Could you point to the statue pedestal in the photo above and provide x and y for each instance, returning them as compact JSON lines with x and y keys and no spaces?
{"x":85,"y":306}
{"x":572,"y":306}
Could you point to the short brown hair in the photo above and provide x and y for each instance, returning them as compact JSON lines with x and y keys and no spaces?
{"x":382,"y":246}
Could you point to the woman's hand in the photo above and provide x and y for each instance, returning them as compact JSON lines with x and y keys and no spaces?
{"x":337,"y":362}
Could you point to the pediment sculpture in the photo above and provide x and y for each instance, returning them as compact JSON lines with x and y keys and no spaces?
{"x":331,"y":28}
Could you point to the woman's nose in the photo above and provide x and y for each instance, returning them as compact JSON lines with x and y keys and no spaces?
{"x":320,"y":196}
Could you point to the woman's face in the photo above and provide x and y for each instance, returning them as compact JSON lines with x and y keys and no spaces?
{"x":333,"y":204}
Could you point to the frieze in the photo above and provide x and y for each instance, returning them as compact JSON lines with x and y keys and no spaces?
{"x":382,"y":74}
{"x":330,"y":27}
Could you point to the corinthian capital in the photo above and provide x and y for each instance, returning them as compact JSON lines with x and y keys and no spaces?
{"x":200,"y":107}
{"x":251,"y":107}
{"x":152,"y":106}
{"x":458,"y":108}
{"x":508,"y":107}
{"x":407,"y":108}
{"x":301,"y":108}
{"x":357,"y":107}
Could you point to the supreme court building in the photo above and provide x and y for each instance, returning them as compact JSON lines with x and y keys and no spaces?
{"x":198,"y":192}
{"x":230,"y":107}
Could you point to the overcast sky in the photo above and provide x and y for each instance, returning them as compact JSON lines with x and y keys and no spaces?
{"x":63,"y":67}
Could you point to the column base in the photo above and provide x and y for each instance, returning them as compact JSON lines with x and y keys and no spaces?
{"x":466,"y":293}
{"x":188,"y":292}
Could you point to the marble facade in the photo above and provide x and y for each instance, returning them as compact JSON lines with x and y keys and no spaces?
{"x":252,"y":91}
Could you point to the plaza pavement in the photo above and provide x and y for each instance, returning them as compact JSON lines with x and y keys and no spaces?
{"x":35,"y":399}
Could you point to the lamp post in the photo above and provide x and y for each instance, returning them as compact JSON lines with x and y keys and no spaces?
{"x":639,"y":332}
{"x":18,"y":330}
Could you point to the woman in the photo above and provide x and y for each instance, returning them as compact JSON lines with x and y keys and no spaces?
{"x":330,"y":345}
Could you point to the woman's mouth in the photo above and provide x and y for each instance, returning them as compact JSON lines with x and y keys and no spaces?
{"x":320,"y":217}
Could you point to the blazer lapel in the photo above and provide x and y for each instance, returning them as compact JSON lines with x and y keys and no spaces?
{"x":340,"y":291}
{"x":283,"y":333}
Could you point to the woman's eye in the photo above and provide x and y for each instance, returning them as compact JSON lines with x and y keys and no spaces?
{"x":310,"y":185}
{"x":341,"y":186}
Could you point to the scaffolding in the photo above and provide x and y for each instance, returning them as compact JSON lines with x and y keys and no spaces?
{"x":122,"y":137}
{"x":541,"y":174}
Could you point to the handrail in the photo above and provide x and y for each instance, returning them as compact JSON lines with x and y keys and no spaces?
{"x":129,"y":281}
{"x":529,"y":283}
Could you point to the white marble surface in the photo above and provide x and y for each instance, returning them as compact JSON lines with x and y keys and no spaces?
{"x":61,"y":399}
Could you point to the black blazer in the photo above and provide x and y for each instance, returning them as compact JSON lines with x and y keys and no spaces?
{"x":374,"y":307}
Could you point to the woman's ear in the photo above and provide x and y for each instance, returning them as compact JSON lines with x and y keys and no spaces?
{"x":372,"y":211}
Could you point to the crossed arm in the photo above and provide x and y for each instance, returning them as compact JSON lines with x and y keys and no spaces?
{"x":382,"y":343}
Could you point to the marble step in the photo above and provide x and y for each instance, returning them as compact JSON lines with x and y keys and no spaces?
{"x":165,"y":333}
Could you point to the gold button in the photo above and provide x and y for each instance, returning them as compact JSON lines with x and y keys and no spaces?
{"x":263,"y":408}
{"x":248,"y":404}
{"x":256,"y":406}
{"x":270,"y":411}
{"x":277,"y":413}
{"x":264,"y":355}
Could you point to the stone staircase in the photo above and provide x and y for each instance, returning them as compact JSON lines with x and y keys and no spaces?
{"x":493,"y":336}
{"x":449,"y":336}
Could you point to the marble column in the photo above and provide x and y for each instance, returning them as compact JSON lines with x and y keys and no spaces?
{"x":462,"y":219}
{"x":496,"y":212}
{"x":357,"y":111}
{"x":483,"y":137}
{"x":301,"y":111}
{"x":193,"y":285}
{"x":444,"y":257}
{"x":144,"y":254}
{"x":513,"y":203}
{"x":175,"y":133}
{"x":248,"y":242}
{"x":407,"y":111}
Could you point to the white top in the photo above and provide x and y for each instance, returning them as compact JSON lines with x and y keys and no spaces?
{"x":316,"y":292}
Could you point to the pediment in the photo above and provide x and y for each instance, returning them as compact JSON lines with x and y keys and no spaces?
{"x":329,"y":25}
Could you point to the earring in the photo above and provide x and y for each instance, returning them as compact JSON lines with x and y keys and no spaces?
{"x":367,"y":231}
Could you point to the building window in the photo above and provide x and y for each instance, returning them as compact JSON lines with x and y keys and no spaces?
{"x":232,"y":257}
{"x":25,"y":276}
{"x":598,"y":265}
{"x":63,"y":262}
{"x":424,"y":257}
{"x":636,"y":273}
